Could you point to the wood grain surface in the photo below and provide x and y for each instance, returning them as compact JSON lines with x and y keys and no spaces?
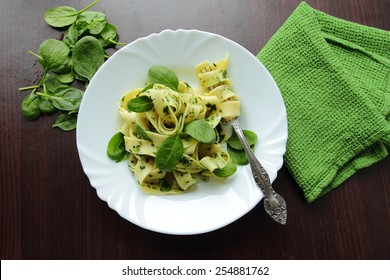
{"x":50,"y":211}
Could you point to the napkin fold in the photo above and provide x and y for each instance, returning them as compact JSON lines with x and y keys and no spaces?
{"x":334,"y":76}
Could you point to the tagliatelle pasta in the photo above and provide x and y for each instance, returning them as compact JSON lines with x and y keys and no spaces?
{"x":173,"y":109}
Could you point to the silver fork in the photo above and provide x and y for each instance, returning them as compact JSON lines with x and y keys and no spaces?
{"x":274,"y":204}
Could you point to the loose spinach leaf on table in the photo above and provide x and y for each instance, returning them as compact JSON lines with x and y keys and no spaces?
{"x":66,"y":121}
{"x":52,"y":83}
{"x":93,"y":22}
{"x":71,"y":36}
{"x":67,"y":78}
{"x":88,"y":56}
{"x":66,"y":99}
{"x":66,"y":67}
{"x":109,"y":34}
{"x":54,"y":53}
{"x":62,"y":16}
{"x":30,"y":106}
{"x":46,"y":105}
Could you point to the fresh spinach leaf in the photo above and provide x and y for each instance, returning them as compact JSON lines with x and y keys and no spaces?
{"x":140,"y":104}
{"x":236,"y":150}
{"x":141,"y":132}
{"x":81,"y":27}
{"x":97,"y":26}
{"x":66,"y":121}
{"x":66,"y":67}
{"x":94,"y":22}
{"x":88,"y":56}
{"x":229,"y":169}
{"x":109,"y":33}
{"x":66,"y":78}
{"x":54,"y":53}
{"x":149,"y":86}
{"x":46,"y":106}
{"x":239,"y":157}
{"x":52,"y":83}
{"x":62,"y":16}
{"x":201,"y":130}
{"x":30,"y":106}
{"x":234,"y":141}
{"x":169,"y":153}
{"x":80,"y":78}
{"x":116,"y":147}
{"x":163,"y":75}
{"x":71,"y":36}
{"x":67,"y":99}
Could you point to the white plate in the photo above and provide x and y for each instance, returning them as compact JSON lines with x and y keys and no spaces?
{"x":212,"y":204}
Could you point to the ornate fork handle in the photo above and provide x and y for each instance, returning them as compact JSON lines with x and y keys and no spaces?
{"x":274,"y":204}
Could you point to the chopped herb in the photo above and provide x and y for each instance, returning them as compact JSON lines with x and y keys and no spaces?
{"x":185,"y":161}
{"x":165,"y":186}
{"x":225,"y":74}
{"x":211,"y":107}
{"x":166,"y":110}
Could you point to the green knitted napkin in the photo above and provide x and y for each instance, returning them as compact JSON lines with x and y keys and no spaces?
{"x":334,"y":77}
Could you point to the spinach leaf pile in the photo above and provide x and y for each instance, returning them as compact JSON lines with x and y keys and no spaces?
{"x":67,"y":62}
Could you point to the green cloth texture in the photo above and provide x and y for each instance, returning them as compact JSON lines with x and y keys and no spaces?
{"x":334,"y":76}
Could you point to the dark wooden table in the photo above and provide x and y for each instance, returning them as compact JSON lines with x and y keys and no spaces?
{"x":50,"y":211}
